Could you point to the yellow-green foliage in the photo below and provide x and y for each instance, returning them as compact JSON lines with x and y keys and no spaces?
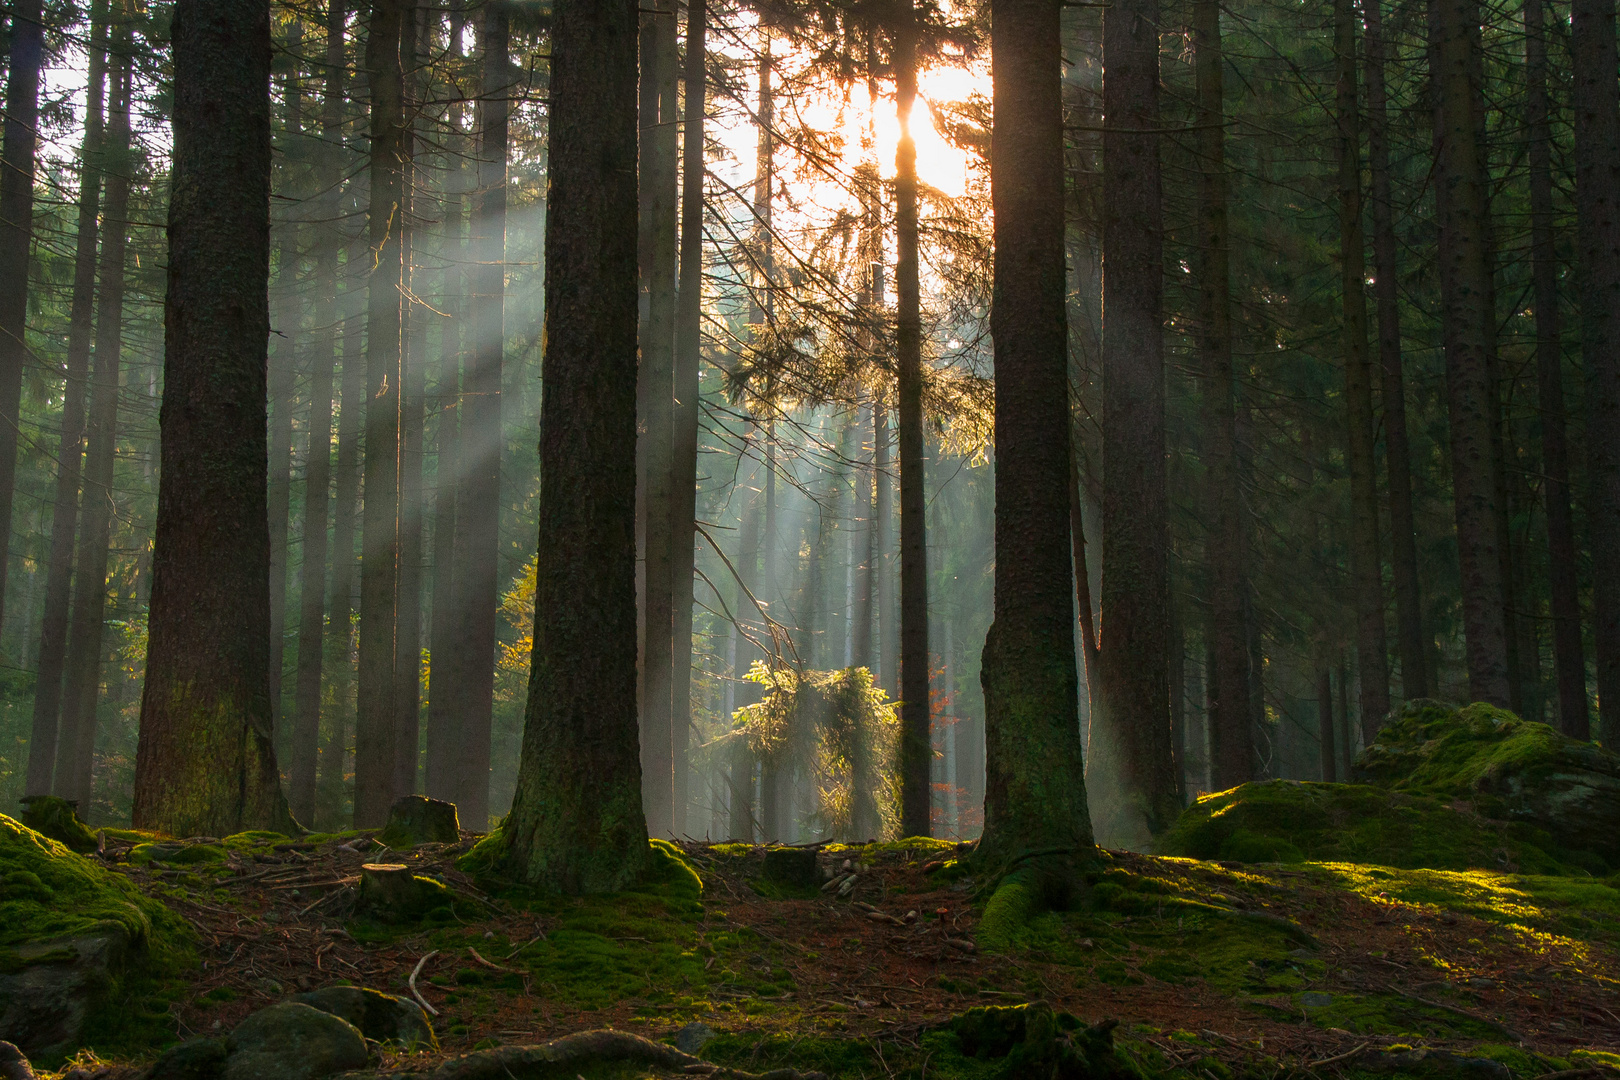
{"x":1436,"y":748}
{"x":846,"y":727}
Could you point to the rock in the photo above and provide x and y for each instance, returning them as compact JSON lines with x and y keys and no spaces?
{"x":52,"y":986}
{"x":390,"y":892}
{"x":59,"y":820}
{"x":691,"y":1038}
{"x":792,"y":866}
{"x":13,"y":1065}
{"x":195,"y":1059}
{"x":292,"y":1041}
{"x":1036,"y":1040}
{"x":379,"y":1016}
{"x":416,"y":820}
{"x":1425,"y":1062}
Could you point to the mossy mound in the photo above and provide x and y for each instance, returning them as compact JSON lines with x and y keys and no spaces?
{"x":1445,"y":789}
{"x":58,"y":819}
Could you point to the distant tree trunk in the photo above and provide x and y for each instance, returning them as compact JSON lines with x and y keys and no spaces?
{"x":656,"y":389}
{"x":1081,"y":570}
{"x":447,"y":677}
{"x":206,"y":761}
{"x":1469,"y":331}
{"x":916,"y":749}
{"x":385,"y":316}
{"x":1367,"y":573}
{"x":688,"y":358}
{"x":1324,"y":725}
{"x":287,"y":309}
{"x":1415,"y":679}
{"x":1347,"y":732}
{"x":1597,"y":212}
{"x":883,"y":570}
{"x":53,"y":633}
{"x":306,"y":734}
{"x":740,"y":763}
{"x":75,"y":757}
{"x":1035,"y":794}
{"x":16,"y":238}
{"x":576,"y":823}
{"x":1225,"y":539}
{"x":1131,"y":753}
{"x":478,"y":509}
{"x":1569,"y":660}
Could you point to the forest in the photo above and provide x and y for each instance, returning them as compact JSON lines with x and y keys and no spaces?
{"x":810,"y":538}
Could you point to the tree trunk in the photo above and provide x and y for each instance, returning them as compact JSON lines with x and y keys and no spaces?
{"x":1597,"y":213}
{"x":1415,"y":677}
{"x":1224,"y":541}
{"x":53,"y":633}
{"x":1469,"y":330}
{"x":16,"y":239}
{"x":1324,"y":725}
{"x":206,"y":762}
{"x":576,"y":823}
{"x":385,"y":315}
{"x":306,"y":734}
{"x":916,"y":750}
{"x":75,"y":758}
{"x":1131,"y":753}
{"x":740,"y":764}
{"x":656,"y":390}
{"x":1366,"y":564}
{"x":883,"y":516}
{"x":688,"y":358}
{"x":1035,"y":794}
{"x":478,"y":510}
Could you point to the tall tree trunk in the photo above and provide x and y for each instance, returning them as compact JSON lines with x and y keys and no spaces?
{"x":1324,"y":725}
{"x":740,"y":763}
{"x":1597,"y":213}
{"x":1366,"y":563}
{"x":688,"y":384}
{"x":576,"y":823}
{"x":1035,"y":794}
{"x":288,"y":331}
{"x":447,"y":677}
{"x":75,"y":758}
{"x":16,"y":241}
{"x":53,"y":633}
{"x":1415,"y":677}
{"x":656,"y":391}
{"x":478,"y":510}
{"x":1568,"y":657}
{"x":206,"y":763}
{"x":1469,"y":330}
{"x":385,"y":316}
{"x":1225,"y":542}
{"x":306,"y":734}
{"x":916,"y":749}
{"x":1133,"y":757}
{"x":883,"y":518}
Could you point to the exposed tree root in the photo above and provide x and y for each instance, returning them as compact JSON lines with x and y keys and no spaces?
{"x":576,"y":1051}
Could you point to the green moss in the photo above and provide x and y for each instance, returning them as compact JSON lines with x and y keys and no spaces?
{"x":1009,"y":915}
{"x":57,"y":819}
{"x":924,"y":847}
{"x":177,"y":853}
{"x":253,"y":838}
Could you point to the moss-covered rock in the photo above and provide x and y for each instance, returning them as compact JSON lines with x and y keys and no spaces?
{"x":1443,"y":788}
{"x":379,"y":1016}
{"x":1036,"y":1041}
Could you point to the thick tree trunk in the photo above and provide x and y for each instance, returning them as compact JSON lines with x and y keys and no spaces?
{"x":1597,"y":211}
{"x":916,"y":749}
{"x":478,"y":509}
{"x":206,"y":762}
{"x":576,"y":823}
{"x":1469,"y":330}
{"x":1366,"y":564}
{"x":16,"y":239}
{"x":1415,"y":679}
{"x":306,"y":733}
{"x":53,"y":633}
{"x":1131,"y":756}
{"x":656,"y":391}
{"x":1225,"y":541}
{"x":1035,"y":794}
{"x":385,"y":316}
{"x":883,"y":565}
{"x":688,"y":358}
{"x":75,"y":757}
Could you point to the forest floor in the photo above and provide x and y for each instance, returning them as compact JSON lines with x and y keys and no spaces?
{"x":1214,"y":970}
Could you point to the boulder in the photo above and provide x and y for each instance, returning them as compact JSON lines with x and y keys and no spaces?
{"x":1036,"y":1040}
{"x":59,"y":820}
{"x":194,"y":1059}
{"x":381,"y":1017}
{"x":13,"y":1065}
{"x":292,"y":1041}
{"x":51,"y":987}
{"x":416,"y":820}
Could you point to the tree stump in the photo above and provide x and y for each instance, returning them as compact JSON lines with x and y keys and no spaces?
{"x":390,"y":892}
{"x":416,"y":820}
{"x":792,"y":866}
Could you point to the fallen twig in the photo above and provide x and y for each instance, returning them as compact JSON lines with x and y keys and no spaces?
{"x":493,"y":967}
{"x":415,"y":993}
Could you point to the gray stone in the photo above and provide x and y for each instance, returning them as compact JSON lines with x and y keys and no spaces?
{"x":690,"y":1039}
{"x":1427,"y":1062}
{"x":1313,"y":1000}
{"x":195,"y":1059}
{"x":293,"y":1041}
{"x":379,"y":1016}
{"x":53,"y":985}
{"x":13,"y":1065}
